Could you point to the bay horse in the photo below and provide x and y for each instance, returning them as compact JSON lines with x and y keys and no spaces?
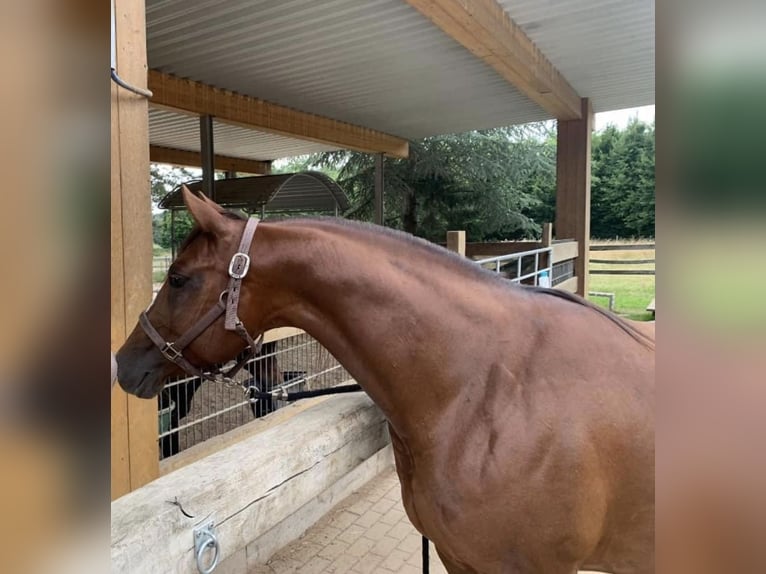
{"x":522,"y":419}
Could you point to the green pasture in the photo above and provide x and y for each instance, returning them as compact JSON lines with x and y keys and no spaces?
{"x":632,"y":293}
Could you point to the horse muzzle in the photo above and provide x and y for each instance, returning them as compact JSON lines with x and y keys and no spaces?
{"x":141,"y":372}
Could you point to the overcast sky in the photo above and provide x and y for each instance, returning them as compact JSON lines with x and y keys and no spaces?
{"x":620,"y":118}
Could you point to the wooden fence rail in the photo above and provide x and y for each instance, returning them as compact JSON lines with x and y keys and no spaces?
{"x":631,"y":247}
{"x":622,"y":262}
{"x":622,"y":272}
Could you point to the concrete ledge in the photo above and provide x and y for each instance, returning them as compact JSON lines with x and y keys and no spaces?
{"x":262,"y":492}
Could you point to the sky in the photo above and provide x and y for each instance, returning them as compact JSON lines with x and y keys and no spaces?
{"x":620,"y":118}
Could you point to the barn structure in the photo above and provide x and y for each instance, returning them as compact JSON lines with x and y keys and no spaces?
{"x":234,"y":85}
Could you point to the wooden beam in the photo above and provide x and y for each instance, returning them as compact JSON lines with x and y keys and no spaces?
{"x":238,"y":109}
{"x":573,"y":187}
{"x":487,"y":31}
{"x":174,"y":156}
{"x":565,"y":251}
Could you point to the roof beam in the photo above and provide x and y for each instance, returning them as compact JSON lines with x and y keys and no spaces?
{"x":486,"y":30}
{"x":247,"y":111}
{"x":160,"y":154}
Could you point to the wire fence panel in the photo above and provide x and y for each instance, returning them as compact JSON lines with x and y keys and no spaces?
{"x":192,"y":411}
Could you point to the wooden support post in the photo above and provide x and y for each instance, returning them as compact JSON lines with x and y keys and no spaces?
{"x":573,"y":187}
{"x":456,"y":242}
{"x":547,"y":237}
{"x":135,"y":459}
{"x":379,"y":189}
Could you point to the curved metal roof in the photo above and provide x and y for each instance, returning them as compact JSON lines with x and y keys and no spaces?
{"x":307,"y":192}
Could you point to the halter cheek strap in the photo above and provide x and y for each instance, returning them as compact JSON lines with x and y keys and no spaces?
{"x":173,"y":351}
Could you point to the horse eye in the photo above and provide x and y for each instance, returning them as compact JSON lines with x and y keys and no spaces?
{"x":177,"y":280}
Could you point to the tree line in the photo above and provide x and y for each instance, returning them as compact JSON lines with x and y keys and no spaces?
{"x":496,"y":184}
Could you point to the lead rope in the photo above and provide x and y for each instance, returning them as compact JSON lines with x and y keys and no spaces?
{"x":254,"y":395}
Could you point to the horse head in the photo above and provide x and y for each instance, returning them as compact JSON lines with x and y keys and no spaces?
{"x":196,"y":282}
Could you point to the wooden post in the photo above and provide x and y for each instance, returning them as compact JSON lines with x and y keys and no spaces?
{"x":135,"y":459}
{"x":456,"y":242}
{"x":547,"y":237}
{"x":573,"y":188}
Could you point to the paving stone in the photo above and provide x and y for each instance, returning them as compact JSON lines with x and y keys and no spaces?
{"x":384,"y":546}
{"x":366,"y":533}
{"x":342,"y":564}
{"x":333,"y":550}
{"x":377,"y":531}
{"x":351,"y":534}
{"x":367,"y":519}
{"x":367,"y":564}
{"x":361,"y":547}
{"x":394,"y":561}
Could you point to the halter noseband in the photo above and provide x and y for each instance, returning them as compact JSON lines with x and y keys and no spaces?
{"x":173,"y":351}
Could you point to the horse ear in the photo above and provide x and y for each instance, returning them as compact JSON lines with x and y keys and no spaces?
{"x":205,"y":212}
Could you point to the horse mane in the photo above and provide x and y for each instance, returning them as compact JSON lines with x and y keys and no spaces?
{"x":456,"y":261}
{"x":642,"y":338}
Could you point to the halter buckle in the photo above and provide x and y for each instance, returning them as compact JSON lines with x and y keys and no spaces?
{"x":239,"y":265}
{"x":170,"y":352}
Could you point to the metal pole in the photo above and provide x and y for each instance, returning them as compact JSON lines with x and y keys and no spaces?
{"x":208,"y":155}
{"x":173,"y":234}
{"x":379,"y":189}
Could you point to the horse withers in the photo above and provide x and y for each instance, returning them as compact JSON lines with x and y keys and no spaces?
{"x":521,"y":418}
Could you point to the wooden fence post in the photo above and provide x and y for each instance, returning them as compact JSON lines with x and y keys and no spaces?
{"x":456,"y":242}
{"x":547,"y":237}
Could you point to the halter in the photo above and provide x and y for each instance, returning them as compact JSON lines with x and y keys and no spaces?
{"x":173,"y":351}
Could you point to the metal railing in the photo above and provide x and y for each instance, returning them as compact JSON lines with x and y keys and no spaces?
{"x":192,"y":411}
{"x":526,"y":267}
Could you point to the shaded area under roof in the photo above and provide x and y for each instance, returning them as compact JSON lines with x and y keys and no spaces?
{"x":303,"y":192}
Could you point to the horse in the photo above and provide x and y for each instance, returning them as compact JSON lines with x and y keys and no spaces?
{"x":521,"y":418}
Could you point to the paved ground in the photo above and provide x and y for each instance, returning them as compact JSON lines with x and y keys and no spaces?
{"x":366,"y":532}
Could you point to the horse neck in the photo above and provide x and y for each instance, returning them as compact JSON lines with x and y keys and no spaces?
{"x":395,"y":314}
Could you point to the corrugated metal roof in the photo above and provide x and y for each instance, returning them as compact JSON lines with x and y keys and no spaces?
{"x":381,"y":64}
{"x":181,"y":131}
{"x":375,"y":63}
{"x":604,"y":48}
{"x":304,"y":192}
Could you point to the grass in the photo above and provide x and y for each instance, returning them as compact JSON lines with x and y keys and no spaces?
{"x":632,"y":293}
